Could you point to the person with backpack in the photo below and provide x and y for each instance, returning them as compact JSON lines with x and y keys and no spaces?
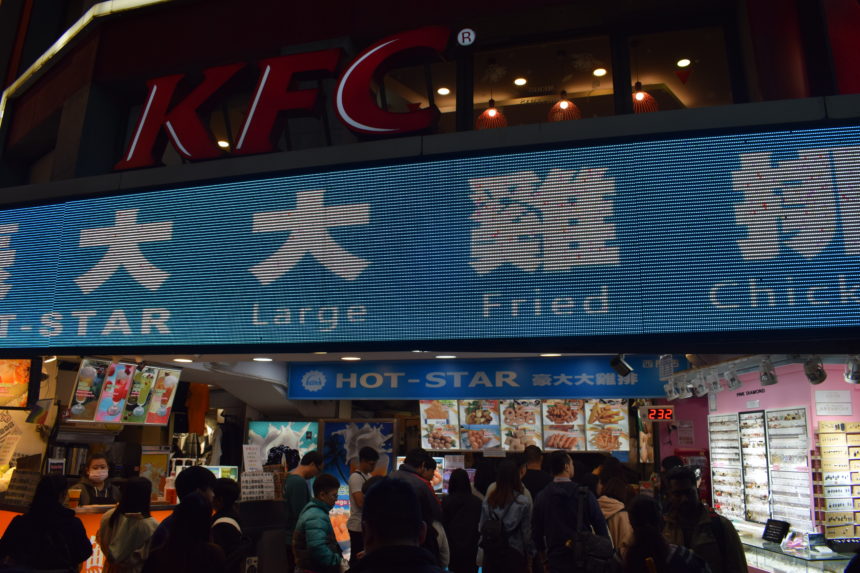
{"x":226,"y":527}
{"x":648,"y":551}
{"x":461,"y":513}
{"x":691,"y":524}
{"x":613,"y":495}
{"x":125,"y":533}
{"x":48,"y":536}
{"x":505,"y":524}
{"x":367,"y":458}
{"x":568,"y":523}
{"x":188,"y":546}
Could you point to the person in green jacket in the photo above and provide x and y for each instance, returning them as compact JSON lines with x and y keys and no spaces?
{"x":314,"y":544}
{"x":297,"y":494}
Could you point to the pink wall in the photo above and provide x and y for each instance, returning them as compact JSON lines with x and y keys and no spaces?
{"x":792,"y":390}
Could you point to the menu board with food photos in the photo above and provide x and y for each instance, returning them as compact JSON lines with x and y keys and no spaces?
{"x":440,"y":424}
{"x":564,"y":425}
{"x":479,"y":424}
{"x":606,"y":425}
{"x":512,"y":425}
{"x":521,"y":425}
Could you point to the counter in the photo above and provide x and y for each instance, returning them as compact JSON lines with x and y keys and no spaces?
{"x":91,"y":517}
{"x":764,"y":556}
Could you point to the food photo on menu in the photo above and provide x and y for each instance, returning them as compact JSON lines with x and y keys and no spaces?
{"x":115,"y":392}
{"x":439,"y":425}
{"x":563,"y":425}
{"x":521,"y":424}
{"x":607,"y":425}
{"x":480,"y":429}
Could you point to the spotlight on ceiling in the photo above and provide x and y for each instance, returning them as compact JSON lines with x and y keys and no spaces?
{"x":732,"y":380}
{"x":620,"y":365}
{"x":852,"y":370}
{"x":671,"y":391}
{"x":814,"y":370}
{"x":766,"y":373}
{"x":700,"y":386}
{"x":714,"y":384}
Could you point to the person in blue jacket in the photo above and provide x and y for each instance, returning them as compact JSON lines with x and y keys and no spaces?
{"x":314,"y":543}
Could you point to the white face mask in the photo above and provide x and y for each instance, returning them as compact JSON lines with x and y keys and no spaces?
{"x":98,"y":476}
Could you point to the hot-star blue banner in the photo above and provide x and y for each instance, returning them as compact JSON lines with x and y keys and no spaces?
{"x":732,"y":232}
{"x":570,"y":377}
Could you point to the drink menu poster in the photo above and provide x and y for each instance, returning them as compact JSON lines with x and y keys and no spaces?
{"x":119,"y":392}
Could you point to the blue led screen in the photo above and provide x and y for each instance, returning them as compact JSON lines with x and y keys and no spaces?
{"x":737,"y":232}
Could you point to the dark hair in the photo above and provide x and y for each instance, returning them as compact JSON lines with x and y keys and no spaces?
{"x":533,"y":455}
{"x":670,"y":462}
{"x":616,"y":488}
{"x":557,"y":462}
{"x":48,"y":492}
{"x":312,"y":458}
{"x":93,"y":457}
{"x":416,"y":457}
{"x":325,"y":482}
{"x":458,"y":482}
{"x":371,"y":481}
{"x":648,"y":540}
{"x":430,"y":463}
{"x":485,"y":473}
{"x":682,"y":473}
{"x":519,"y":460}
{"x":191,"y":521}
{"x":227,"y":491}
{"x":392,"y":511}
{"x":508,"y":485}
{"x":368,"y":454}
{"x":610,"y":468}
{"x":192,"y":479}
{"x":134,"y":497}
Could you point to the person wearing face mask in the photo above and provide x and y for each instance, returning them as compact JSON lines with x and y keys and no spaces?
{"x":95,"y":486}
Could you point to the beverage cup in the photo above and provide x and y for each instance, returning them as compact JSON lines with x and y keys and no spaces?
{"x":74,"y":498}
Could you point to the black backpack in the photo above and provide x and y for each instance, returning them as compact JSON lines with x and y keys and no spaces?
{"x":588,"y":552}
{"x":494,"y":537}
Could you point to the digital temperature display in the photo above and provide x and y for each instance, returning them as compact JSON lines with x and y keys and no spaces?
{"x":659,"y":413}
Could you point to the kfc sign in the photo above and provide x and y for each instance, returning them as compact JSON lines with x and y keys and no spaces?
{"x":354,"y":102}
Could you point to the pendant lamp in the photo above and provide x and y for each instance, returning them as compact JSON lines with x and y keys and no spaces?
{"x":491,"y":118}
{"x":563,"y":110}
{"x":643,"y":102}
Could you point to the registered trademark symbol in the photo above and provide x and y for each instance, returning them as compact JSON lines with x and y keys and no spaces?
{"x":466,"y":37}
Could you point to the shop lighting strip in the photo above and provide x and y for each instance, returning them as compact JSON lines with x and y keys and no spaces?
{"x":100,"y":10}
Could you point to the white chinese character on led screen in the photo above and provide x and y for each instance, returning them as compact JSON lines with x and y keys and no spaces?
{"x":309,"y":226}
{"x":123,"y":251}
{"x":7,"y":256}
{"x":798,"y":204}
{"x":552,"y":225}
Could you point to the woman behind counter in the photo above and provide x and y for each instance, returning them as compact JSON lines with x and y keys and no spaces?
{"x":95,"y":487}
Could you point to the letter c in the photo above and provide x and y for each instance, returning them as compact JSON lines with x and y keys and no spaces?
{"x":714,"y":292}
{"x":354,"y":102}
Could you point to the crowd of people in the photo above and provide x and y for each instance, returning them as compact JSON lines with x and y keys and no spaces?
{"x":529,"y":514}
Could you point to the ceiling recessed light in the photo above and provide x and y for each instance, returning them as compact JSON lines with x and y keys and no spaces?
{"x":350,"y":358}
{"x":445,"y":356}
{"x":223,"y":144}
{"x":520,"y":82}
{"x":599,"y":72}
{"x":417,"y":351}
{"x":443,"y":91}
{"x":49,"y":359}
{"x":183,"y":360}
{"x":321,"y":352}
{"x":550,"y":355}
{"x":684,"y":62}
{"x":262,"y":359}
